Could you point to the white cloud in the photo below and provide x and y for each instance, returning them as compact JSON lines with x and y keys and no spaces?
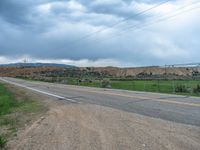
{"x":107,"y":2}
{"x":78,"y":63}
{"x":44,"y":8}
{"x":165,"y":48}
{"x":61,"y":6}
{"x":74,"y":5}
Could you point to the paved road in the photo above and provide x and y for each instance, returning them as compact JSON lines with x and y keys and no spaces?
{"x":180,"y":109}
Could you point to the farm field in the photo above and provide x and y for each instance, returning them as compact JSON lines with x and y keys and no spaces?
{"x":180,"y":87}
{"x":153,"y":86}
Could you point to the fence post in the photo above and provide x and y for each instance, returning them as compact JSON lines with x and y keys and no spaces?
{"x":158,"y":85}
{"x":174,"y":91}
{"x":145,"y":85}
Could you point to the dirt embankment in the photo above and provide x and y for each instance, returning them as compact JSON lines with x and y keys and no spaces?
{"x":96,"y":71}
{"x":90,"y":127}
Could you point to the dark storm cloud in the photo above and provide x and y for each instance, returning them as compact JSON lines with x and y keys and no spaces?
{"x":48,"y":28}
{"x":16,"y":11}
{"x":13,"y":11}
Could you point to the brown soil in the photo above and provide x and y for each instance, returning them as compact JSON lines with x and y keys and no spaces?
{"x":91,"y":127}
{"x":109,"y":71}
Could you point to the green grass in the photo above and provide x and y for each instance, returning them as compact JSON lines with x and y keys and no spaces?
{"x":7,"y":101}
{"x":92,"y":84}
{"x":159,"y":86}
{"x":16,"y":110}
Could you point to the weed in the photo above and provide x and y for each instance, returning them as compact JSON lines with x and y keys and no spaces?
{"x":3,"y":141}
{"x":181,"y":89}
{"x":197,"y":89}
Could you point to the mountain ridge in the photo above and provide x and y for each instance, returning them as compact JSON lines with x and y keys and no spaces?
{"x":37,"y":65}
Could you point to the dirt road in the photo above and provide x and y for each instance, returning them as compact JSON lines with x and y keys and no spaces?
{"x":92,"y":127}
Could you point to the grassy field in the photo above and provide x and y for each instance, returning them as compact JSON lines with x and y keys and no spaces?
{"x":154,"y":85}
{"x":181,"y":87}
{"x":160,"y":86}
{"x":16,"y":110}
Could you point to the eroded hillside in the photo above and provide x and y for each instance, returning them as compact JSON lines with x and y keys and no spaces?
{"x":99,"y":72}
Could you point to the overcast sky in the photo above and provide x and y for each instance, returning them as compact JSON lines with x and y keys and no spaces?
{"x":56,"y":30}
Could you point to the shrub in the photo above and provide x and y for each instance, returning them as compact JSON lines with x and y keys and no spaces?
{"x":181,"y":89}
{"x":105,"y":84}
{"x":197,"y":89}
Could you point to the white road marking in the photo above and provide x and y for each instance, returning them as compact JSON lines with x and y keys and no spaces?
{"x":39,"y":91}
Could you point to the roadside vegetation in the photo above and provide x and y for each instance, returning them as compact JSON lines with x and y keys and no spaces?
{"x":174,"y":80}
{"x":180,"y":87}
{"x":16,"y":110}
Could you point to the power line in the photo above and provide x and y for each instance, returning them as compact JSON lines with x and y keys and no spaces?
{"x":171,"y":16}
{"x":119,"y":22}
{"x":123,"y":20}
{"x":160,"y":19}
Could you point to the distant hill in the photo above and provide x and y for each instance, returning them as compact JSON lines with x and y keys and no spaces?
{"x":37,"y":65}
{"x":38,"y":70}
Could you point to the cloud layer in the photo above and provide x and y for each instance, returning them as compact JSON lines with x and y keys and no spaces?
{"x":53,"y":30}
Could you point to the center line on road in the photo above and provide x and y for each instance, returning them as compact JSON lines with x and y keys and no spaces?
{"x":139,"y":97}
{"x":106,"y":93}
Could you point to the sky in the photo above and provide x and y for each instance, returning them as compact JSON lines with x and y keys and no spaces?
{"x":100,"y":32}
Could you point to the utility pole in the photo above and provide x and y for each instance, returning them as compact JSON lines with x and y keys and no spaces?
{"x":24,"y":65}
{"x":165,"y":72}
{"x":173,"y":68}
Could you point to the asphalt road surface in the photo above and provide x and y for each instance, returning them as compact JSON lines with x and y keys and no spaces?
{"x":179,"y":109}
